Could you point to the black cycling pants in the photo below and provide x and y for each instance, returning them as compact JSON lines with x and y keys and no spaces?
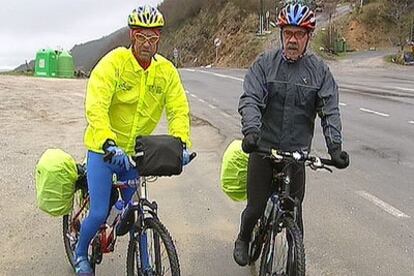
{"x":259,"y":189}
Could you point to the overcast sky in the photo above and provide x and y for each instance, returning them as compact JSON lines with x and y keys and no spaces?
{"x":27,"y":25}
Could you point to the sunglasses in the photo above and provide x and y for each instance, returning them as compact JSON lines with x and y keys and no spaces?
{"x":141,"y":38}
{"x":298,"y":34}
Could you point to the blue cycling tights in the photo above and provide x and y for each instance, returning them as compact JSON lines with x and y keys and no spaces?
{"x":99,"y":175}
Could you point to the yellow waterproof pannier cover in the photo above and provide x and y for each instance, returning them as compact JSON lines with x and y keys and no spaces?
{"x":56,"y":175}
{"x":234,"y":172}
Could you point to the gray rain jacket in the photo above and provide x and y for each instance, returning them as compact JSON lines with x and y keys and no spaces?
{"x":281,"y":99}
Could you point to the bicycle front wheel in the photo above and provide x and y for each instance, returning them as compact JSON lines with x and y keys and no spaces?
{"x":285,"y":255}
{"x":152,"y":252}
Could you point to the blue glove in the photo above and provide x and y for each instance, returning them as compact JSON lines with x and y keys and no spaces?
{"x":186,"y":157}
{"x":118,"y":157}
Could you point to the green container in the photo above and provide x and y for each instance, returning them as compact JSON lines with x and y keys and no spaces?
{"x":46,"y":63}
{"x":65,"y":65}
{"x":340,"y":46}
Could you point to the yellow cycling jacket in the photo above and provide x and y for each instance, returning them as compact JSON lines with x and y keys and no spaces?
{"x":123,"y":101}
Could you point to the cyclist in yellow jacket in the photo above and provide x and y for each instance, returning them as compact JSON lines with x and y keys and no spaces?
{"x":126,"y":95}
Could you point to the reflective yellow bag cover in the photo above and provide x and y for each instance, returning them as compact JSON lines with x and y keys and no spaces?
{"x":56,"y":175}
{"x":234,"y":172}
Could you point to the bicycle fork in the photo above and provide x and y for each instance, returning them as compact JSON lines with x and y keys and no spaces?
{"x":277,"y":257}
{"x":144,"y":254}
{"x":147,"y":240}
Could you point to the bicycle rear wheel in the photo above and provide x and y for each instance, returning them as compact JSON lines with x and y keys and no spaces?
{"x":152,"y":252}
{"x":71,"y":226}
{"x":287,"y":257}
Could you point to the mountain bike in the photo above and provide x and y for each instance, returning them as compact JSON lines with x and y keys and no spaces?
{"x":151,"y":250}
{"x":277,"y":236}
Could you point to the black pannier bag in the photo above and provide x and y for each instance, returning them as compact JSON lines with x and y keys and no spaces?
{"x":159,"y":155}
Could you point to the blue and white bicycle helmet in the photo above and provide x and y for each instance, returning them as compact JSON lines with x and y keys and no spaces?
{"x":297,"y":14}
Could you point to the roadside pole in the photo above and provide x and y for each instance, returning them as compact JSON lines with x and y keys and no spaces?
{"x":217,"y":43}
{"x":175,"y":54}
{"x":261,"y":18}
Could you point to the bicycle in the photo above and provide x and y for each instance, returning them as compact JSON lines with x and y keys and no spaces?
{"x":277,"y":236}
{"x":147,"y":235}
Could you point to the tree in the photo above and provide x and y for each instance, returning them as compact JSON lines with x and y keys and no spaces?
{"x":398,"y":15}
{"x":330,"y":10}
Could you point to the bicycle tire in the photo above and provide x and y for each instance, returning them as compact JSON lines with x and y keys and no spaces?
{"x":132,"y":266}
{"x":66,"y":242}
{"x":295,"y":266}
{"x":255,"y":246}
{"x":69,"y":249}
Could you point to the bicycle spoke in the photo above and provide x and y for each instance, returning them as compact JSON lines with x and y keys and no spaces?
{"x":159,"y":248}
{"x":281,"y":251}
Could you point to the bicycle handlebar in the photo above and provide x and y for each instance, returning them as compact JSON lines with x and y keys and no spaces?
{"x":313,"y":161}
{"x":108,"y":155}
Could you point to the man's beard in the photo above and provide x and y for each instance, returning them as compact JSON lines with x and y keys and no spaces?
{"x":292,"y":46}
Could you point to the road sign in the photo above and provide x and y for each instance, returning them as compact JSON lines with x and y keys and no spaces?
{"x":217,"y":42}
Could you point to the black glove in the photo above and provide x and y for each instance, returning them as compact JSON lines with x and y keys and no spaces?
{"x":340,"y":158}
{"x":249,"y":143}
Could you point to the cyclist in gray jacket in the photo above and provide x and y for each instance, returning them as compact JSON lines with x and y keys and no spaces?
{"x":283,"y":91}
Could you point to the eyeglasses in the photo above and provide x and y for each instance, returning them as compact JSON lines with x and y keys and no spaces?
{"x":298,"y":34}
{"x":141,"y":38}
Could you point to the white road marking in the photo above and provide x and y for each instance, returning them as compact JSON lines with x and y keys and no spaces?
{"x":383,"y":205}
{"x":186,"y":91}
{"x":411,"y":122}
{"x":374,"y":112}
{"x":216,"y":74}
{"x":342,"y":104}
{"x":190,"y":70}
{"x":211,"y":106}
{"x":403,"y":89}
{"x":227,"y":77}
{"x":225,"y":114}
{"x":201,"y":100}
{"x":192,"y":95}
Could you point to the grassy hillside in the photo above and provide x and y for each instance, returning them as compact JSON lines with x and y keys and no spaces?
{"x":86,"y":55}
{"x":379,"y":24}
{"x":233,"y":22}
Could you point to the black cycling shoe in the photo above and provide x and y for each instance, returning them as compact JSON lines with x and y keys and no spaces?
{"x":240,"y":253}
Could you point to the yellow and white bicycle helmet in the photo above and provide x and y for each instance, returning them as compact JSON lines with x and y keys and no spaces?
{"x":145,"y":17}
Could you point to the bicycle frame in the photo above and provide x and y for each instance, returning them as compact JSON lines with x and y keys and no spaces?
{"x":141,"y":208}
{"x":280,"y":203}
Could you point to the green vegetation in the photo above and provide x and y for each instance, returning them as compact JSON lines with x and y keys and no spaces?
{"x":318,"y":46}
{"x":229,"y":22}
{"x":17,"y":73}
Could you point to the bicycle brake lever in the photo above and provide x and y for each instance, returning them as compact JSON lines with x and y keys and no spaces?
{"x":328,"y":169}
{"x":312,"y":166}
{"x":192,"y":156}
{"x":132,"y":162}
